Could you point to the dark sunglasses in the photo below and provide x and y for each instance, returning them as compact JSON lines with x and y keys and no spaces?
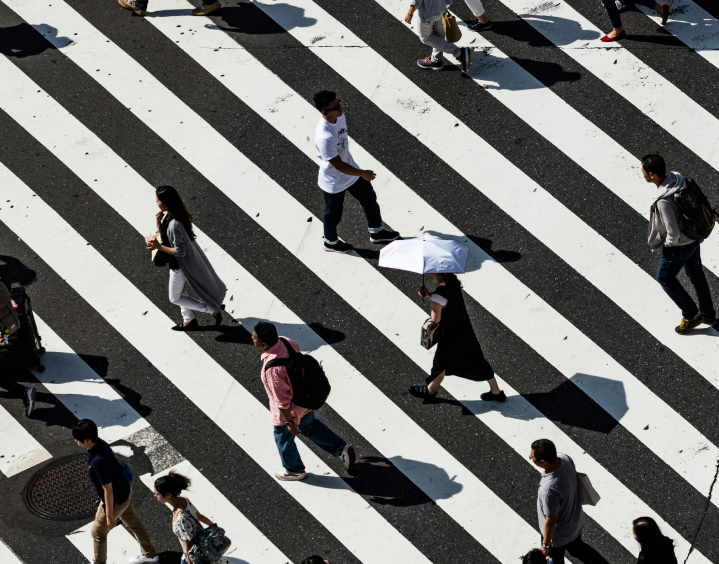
{"x":337,"y":107}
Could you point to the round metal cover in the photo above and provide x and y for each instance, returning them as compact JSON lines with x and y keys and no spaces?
{"x":61,"y":491}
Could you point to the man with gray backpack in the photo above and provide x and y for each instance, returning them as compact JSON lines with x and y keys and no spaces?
{"x":296,"y":385}
{"x":679,"y":220}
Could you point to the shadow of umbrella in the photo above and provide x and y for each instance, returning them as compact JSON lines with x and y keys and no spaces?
{"x":12,"y":271}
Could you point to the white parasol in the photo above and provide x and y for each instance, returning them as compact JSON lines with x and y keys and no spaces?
{"x":425,"y":255}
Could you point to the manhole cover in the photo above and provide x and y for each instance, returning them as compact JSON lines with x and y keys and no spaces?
{"x":61,"y":491}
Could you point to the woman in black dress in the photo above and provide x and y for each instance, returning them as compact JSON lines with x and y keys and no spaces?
{"x":458,"y":352}
{"x":656,"y":548}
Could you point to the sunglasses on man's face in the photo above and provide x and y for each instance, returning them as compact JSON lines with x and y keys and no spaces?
{"x":337,"y":107}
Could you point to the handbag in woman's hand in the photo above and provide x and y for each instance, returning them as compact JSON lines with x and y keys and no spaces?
{"x":430,"y":333}
{"x":157,"y":237}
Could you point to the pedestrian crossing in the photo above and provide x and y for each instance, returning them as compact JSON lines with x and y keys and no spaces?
{"x":648,"y":423}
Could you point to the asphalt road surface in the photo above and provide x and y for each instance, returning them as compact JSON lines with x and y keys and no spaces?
{"x":531,"y":160}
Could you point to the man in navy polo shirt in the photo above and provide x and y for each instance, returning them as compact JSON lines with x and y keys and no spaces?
{"x":114,"y":493}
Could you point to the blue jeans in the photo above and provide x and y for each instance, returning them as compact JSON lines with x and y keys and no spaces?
{"x":314,"y":430}
{"x":613,"y":12}
{"x":334,"y":204}
{"x":689,"y":258}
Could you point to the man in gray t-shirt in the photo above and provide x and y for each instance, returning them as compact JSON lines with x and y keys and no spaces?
{"x":559,"y":506}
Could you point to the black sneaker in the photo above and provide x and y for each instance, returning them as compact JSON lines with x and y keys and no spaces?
{"x":489,"y":396}
{"x":465,"y":58}
{"x":384,"y":236}
{"x":479,"y":26}
{"x":28,"y":399}
{"x":711,"y":322}
{"x":339,"y":247}
{"x":422,"y":392}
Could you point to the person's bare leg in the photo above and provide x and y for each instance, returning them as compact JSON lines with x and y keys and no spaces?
{"x":433,"y":386}
{"x":615,"y":32}
{"x":493,"y":386}
{"x":483,"y":18}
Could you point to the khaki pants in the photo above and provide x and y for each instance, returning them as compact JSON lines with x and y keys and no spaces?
{"x":126,"y":512}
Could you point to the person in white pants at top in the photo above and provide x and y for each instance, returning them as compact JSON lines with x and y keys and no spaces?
{"x":431,"y":33}
{"x":483,"y":23}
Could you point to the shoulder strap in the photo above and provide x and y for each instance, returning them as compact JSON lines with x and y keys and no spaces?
{"x":281,"y":361}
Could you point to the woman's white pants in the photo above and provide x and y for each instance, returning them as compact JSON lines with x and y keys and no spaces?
{"x":178,"y":296}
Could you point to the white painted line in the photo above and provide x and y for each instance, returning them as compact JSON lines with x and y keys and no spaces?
{"x":367,"y":535}
{"x":324,"y":258}
{"x":248,"y":543}
{"x":558,"y":122}
{"x":121,"y":544}
{"x":7,"y":556}
{"x":693,"y":26}
{"x":18,"y":448}
{"x":530,"y":431}
{"x":626,"y":399}
{"x":420,"y":457}
{"x":82,"y":391}
{"x":627,"y":75}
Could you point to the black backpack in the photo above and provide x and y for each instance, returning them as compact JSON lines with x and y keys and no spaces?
{"x":310,"y":386}
{"x":694,"y":212}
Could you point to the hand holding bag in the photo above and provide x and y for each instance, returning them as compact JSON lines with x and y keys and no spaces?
{"x":430,"y":333}
{"x":452,"y":33}
{"x":209,"y":544}
{"x":587,"y":492}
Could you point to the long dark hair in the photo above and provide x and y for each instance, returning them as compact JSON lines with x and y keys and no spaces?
{"x":452,"y":281}
{"x":653,"y":542}
{"x":173,"y":484}
{"x":176,"y":208}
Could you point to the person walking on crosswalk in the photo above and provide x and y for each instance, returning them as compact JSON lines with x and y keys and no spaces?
{"x":458,"y":351}
{"x":612,"y":7}
{"x":339,"y":173}
{"x":186,"y":260}
{"x":289,"y":419}
{"x":431,"y":32}
{"x":114,"y":494}
{"x":656,"y":548}
{"x":186,"y":519}
{"x":139,"y":7}
{"x":678,"y":251}
{"x":559,"y":507}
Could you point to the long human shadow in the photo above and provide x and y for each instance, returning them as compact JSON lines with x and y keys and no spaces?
{"x":13,"y":271}
{"x":546,"y":73}
{"x":376,"y":477}
{"x":569,"y":30}
{"x":239,"y":331}
{"x":566,"y":404}
{"x":248,"y":19}
{"x":22,"y":40}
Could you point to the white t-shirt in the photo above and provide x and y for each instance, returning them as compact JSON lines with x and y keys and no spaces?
{"x":331,"y":139}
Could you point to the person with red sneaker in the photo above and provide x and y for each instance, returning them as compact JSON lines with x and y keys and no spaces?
{"x":615,"y":18}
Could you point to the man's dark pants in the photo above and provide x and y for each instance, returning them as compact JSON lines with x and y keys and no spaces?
{"x":334,"y":204}
{"x":687,"y":257}
{"x":577,"y":549}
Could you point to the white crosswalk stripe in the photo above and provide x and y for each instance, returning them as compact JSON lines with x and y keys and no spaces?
{"x":181,"y":359}
{"x":429,"y":465}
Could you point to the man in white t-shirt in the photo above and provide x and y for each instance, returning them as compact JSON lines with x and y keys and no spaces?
{"x":339,"y":174}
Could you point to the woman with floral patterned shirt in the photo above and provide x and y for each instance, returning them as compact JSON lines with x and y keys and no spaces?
{"x":185,"y":517}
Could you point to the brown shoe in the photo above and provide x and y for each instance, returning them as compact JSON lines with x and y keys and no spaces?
{"x":688,"y":324}
{"x":206,"y":9}
{"x":131,"y":6}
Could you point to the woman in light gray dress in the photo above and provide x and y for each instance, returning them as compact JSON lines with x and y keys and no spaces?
{"x":187,"y":262}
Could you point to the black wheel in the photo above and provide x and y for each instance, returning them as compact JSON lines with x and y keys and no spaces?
{"x":41,"y":350}
{"x":40,"y":368}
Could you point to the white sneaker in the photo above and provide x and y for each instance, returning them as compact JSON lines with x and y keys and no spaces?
{"x":287,"y":476}
{"x":140,"y":559}
{"x":348,"y":456}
